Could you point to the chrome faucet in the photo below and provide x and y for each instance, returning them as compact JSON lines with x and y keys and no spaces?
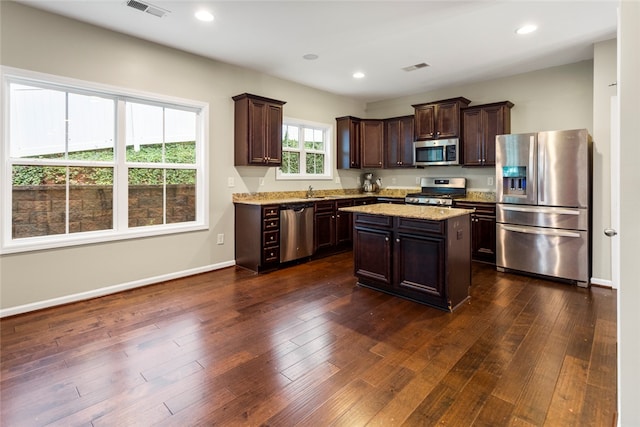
{"x":310,"y":192}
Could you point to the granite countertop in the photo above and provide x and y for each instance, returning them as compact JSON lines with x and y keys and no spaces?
{"x":431,"y":213}
{"x":293,"y":199}
{"x":479,"y":196}
{"x":279,"y":197}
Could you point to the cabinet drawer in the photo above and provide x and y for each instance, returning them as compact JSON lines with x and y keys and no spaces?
{"x":480,"y":208}
{"x":270,"y":212}
{"x":271,"y":224}
{"x":420,"y":226}
{"x":327,"y":206}
{"x":271,"y":254}
{"x":373,"y":220}
{"x":271,"y":238}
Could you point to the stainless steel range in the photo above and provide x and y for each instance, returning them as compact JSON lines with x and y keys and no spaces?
{"x":438,"y":191}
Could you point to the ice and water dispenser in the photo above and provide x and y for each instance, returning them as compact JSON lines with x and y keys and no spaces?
{"x":514,"y":180}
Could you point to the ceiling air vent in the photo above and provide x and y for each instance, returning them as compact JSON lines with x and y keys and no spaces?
{"x":416,"y":66}
{"x":146,"y":7}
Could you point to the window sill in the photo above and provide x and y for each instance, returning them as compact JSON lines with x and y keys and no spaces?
{"x":91,"y":238}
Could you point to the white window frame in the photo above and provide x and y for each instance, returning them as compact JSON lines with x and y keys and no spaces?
{"x":120,"y":229}
{"x":328,"y":164}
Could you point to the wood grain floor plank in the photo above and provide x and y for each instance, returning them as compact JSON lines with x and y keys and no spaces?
{"x":305,"y":345}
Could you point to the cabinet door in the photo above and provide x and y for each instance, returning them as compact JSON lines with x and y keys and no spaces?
{"x":372,"y":256}
{"x":425,"y":124}
{"x":324,"y":230}
{"x":392,"y":143}
{"x":273,"y":141}
{"x":483,"y":232}
{"x":348,"y":141}
{"x":398,"y":142}
{"x":258,"y":112}
{"x":447,"y":120}
{"x":371,"y":143}
{"x":493,"y":124}
{"x":472,"y":137}
{"x":344,"y":227}
{"x":419,"y":266}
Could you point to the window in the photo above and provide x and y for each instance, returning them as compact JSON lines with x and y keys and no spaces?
{"x":306,"y":150}
{"x":83,"y":163}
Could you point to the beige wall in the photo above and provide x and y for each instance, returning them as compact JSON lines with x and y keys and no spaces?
{"x":39,"y":41}
{"x":557,"y":98}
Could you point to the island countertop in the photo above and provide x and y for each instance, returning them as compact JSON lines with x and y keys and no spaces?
{"x":431,"y":213}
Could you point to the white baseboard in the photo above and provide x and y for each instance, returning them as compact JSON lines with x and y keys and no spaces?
{"x":11,"y":311}
{"x":602,"y":282}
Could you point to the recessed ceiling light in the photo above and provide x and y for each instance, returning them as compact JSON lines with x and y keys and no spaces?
{"x":204,"y":15}
{"x":526,"y":29}
{"x":358,"y":75}
{"x":310,"y":56}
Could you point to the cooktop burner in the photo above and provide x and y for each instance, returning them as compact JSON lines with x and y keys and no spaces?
{"x":438,"y":191}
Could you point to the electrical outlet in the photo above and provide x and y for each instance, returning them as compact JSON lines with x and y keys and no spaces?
{"x":221,"y":239}
{"x":418,"y":180}
{"x":231,"y":182}
{"x":337,"y":180}
{"x":393,"y":180}
{"x":261,"y":181}
{"x":490,"y":180}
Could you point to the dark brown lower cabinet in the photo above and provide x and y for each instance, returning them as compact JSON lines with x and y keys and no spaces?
{"x":257,"y":236}
{"x":332,"y":228}
{"x":422,"y":260}
{"x":483,"y":230}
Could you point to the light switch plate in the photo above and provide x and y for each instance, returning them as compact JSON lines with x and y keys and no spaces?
{"x":231,"y":182}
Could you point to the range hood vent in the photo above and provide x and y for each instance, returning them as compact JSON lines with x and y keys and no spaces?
{"x":146,"y":7}
{"x":416,"y":66}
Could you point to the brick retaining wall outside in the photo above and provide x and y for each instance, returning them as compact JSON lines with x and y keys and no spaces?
{"x":40,"y":210}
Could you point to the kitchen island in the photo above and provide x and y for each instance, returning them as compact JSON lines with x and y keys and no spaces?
{"x":421,"y":253}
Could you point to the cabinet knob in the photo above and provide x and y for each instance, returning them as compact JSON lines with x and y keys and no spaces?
{"x":386,"y":239}
{"x":397,"y":240}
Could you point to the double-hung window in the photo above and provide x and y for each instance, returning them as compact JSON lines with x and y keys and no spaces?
{"x":306,"y":150}
{"x":85,"y":163}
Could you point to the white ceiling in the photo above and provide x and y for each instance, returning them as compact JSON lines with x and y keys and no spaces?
{"x":462,"y":41}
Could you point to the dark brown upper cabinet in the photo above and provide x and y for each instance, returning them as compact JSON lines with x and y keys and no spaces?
{"x":348,"y":155}
{"x":481,"y":124}
{"x":360,"y":143}
{"x":372,"y":143}
{"x":439,"y":119}
{"x":398,"y":142}
{"x":258,"y":131}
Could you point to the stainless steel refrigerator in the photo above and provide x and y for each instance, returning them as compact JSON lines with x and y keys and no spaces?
{"x":543,"y":214}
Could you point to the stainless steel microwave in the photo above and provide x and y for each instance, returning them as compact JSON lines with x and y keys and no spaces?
{"x":436,"y":152}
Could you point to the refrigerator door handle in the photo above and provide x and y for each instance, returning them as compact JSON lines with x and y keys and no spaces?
{"x":541,"y":167}
{"x":541,"y":231}
{"x":541,"y":210}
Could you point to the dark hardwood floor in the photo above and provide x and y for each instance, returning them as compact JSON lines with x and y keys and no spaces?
{"x":305,"y":346}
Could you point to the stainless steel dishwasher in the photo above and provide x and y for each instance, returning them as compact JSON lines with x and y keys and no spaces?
{"x":296,"y":231}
